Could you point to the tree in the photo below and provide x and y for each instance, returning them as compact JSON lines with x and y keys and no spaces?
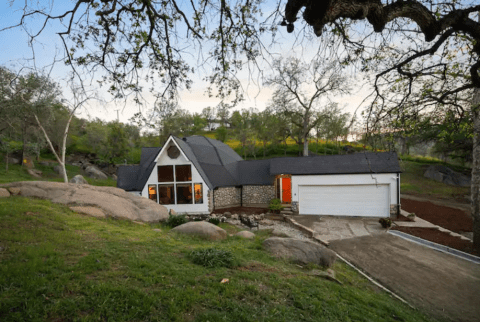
{"x":242,"y":128}
{"x":25,"y":102}
{"x":300,"y":88}
{"x":414,"y":76}
{"x":209,"y":114}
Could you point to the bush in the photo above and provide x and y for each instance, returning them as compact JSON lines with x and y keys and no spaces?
{"x":174,"y":221}
{"x":385,"y":222}
{"x":275,"y":205}
{"x":212,"y":257}
{"x":214,"y":221}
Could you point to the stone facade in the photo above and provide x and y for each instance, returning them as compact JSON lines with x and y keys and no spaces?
{"x":294,"y":207}
{"x":394,"y":211}
{"x":210,"y":200}
{"x":257,"y":196}
{"x":227,"y":197}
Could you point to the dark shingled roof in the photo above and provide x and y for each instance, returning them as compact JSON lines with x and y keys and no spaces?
{"x":127,"y":180}
{"x":220,"y":166}
{"x":127,"y":177}
{"x":371,"y":162}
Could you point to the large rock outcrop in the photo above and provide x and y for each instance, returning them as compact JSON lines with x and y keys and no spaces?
{"x":113,"y":202}
{"x":300,"y":251}
{"x":446,"y":175}
{"x":202,"y":229}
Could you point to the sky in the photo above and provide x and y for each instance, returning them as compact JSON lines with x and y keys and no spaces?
{"x":16,"y":51}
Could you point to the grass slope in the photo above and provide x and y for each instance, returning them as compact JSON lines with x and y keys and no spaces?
{"x":56,"y":265}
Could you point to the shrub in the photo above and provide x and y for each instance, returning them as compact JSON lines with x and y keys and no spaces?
{"x":212,"y":257}
{"x":385,"y":222}
{"x":214,"y":221}
{"x":174,"y":221}
{"x":275,"y":205}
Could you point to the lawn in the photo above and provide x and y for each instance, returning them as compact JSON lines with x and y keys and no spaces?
{"x":57,"y":265}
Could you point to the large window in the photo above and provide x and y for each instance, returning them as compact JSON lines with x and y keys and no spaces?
{"x":184,"y":194}
{"x":166,"y":194}
{"x":152,"y":192}
{"x":165,"y":173}
{"x":183,"y":173}
{"x":198,"y":193}
{"x":176,"y":186}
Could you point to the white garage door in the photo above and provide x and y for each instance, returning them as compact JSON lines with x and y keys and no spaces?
{"x":348,"y":200}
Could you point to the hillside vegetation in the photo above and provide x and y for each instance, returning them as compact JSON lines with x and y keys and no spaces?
{"x":57,"y":265}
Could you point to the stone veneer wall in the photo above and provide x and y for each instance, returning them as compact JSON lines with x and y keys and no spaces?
{"x":210,"y":200}
{"x":394,"y":211}
{"x":227,"y":197}
{"x":257,"y":195}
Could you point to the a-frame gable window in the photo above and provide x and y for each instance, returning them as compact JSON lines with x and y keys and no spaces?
{"x":176,"y":186}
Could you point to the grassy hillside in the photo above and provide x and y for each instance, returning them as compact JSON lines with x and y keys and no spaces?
{"x":18,"y":173}
{"x":56,"y":265}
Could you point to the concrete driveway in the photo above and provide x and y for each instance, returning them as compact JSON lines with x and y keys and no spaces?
{"x":331,"y":228}
{"x":441,"y":285}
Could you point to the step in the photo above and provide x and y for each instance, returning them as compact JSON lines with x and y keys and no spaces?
{"x":286,"y":212}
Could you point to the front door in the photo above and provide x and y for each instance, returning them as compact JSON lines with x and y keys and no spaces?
{"x":286,"y":190}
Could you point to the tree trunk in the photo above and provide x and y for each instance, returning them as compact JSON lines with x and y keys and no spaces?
{"x":24,"y":134}
{"x":305,"y":147}
{"x":476,"y":169}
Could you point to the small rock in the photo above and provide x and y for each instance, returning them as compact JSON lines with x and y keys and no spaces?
{"x":234,"y":217}
{"x":114,"y":177}
{"x":139,"y":223}
{"x":14,"y":191}
{"x":4,"y":193}
{"x":213,"y":216}
{"x":12,"y":160}
{"x":173,"y":212}
{"x":78,"y":179}
{"x":227,"y":214}
{"x":157,"y":230}
{"x":44,"y":163}
{"x":245,"y":234}
{"x":266,"y":222}
{"x":202,"y":229}
{"x":300,"y":251}
{"x":94,"y":173}
{"x":35,"y":173}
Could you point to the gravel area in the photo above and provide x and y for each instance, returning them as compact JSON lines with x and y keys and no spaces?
{"x":279,"y":226}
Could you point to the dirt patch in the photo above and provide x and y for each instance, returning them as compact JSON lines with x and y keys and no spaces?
{"x":450,"y":218}
{"x":239,"y":210}
{"x":442,"y":238}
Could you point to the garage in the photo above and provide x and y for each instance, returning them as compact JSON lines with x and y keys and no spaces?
{"x":363,"y":200}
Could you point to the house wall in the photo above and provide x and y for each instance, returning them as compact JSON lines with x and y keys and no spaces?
{"x":225,"y":197}
{"x":257,"y":196}
{"x":164,"y":159}
{"x":389,"y":179}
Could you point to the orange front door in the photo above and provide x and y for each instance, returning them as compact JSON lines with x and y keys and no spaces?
{"x":286,"y":190}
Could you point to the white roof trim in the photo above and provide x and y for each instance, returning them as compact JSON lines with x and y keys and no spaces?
{"x":170,"y":139}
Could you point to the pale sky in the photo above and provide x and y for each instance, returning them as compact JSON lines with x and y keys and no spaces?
{"x":15,"y":49}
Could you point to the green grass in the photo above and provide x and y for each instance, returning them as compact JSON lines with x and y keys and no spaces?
{"x":57,"y":265}
{"x":18,"y":173}
{"x":412,"y":181}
